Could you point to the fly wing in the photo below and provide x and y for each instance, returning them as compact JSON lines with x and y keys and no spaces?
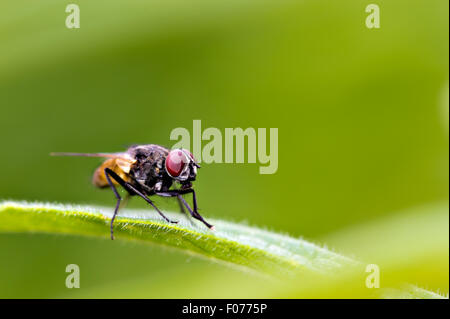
{"x":123,"y":156}
{"x":120,"y":163}
{"x":123,"y":160}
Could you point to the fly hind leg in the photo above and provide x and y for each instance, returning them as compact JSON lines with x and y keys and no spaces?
{"x":132,"y":191}
{"x":119,"y":199}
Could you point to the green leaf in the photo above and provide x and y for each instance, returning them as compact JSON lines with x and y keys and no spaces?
{"x":249,"y":248}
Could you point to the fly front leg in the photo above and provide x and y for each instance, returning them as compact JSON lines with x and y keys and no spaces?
{"x":194,"y":213}
{"x":180,"y":203}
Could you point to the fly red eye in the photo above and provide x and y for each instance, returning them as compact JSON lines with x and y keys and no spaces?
{"x":189,"y":153}
{"x":176,"y":161}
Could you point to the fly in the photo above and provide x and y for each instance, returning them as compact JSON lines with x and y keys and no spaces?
{"x":146,"y":170}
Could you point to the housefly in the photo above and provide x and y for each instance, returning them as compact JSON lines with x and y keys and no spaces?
{"x":146,"y":170}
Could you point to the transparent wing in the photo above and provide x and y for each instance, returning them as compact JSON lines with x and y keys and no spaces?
{"x":122,"y":156}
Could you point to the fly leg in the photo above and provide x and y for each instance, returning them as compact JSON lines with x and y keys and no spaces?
{"x":119,"y":199}
{"x":170,"y":194}
{"x":180,"y":203}
{"x":194,"y":213}
{"x":131,"y":190}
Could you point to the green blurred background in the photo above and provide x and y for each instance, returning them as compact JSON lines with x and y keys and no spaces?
{"x":362,"y":117}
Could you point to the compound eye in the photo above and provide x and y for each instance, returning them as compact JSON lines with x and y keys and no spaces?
{"x":189,"y":154}
{"x":176,"y":162}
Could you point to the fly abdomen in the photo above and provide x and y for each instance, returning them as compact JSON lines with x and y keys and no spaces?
{"x":118,"y":166}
